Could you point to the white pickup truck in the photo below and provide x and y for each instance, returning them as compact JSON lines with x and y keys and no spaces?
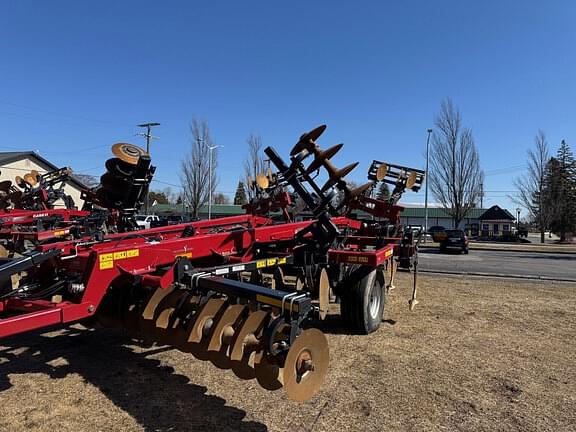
{"x":145,"y":221}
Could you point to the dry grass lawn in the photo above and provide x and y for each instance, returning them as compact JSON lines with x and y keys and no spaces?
{"x":476,"y":355}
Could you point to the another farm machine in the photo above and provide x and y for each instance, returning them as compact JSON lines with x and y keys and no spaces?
{"x":243,"y":292}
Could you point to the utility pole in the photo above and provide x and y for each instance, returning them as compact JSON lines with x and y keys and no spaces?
{"x":148,"y":135}
{"x":210,"y":148}
{"x":426,"y":189}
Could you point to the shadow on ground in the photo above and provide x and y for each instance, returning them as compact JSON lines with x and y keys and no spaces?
{"x":334,"y":325}
{"x":154,"y":395}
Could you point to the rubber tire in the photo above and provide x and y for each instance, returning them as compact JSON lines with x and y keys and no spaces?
{"x":343,"y":291}
{"x":355,"y":306}
{"x":466,"y":251}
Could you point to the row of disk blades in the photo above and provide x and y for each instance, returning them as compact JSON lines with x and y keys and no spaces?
{"x":230,"y":333}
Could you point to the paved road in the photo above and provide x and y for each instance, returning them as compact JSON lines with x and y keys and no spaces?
{"x":518,"y":263}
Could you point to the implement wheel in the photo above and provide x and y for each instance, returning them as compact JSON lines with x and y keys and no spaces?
{"x":363,"y":299}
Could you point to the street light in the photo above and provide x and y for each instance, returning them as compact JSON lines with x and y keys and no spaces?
{"x":518,"y":218}
{"x":210,"y":148}
{"x":426,"y":189}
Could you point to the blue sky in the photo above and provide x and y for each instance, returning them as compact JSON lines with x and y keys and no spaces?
{"x":76,"y":77}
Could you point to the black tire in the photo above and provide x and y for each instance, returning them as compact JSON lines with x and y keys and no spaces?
{"x":342,"y":291}
{"x":466,"y":251}
{"x":362,"y":305}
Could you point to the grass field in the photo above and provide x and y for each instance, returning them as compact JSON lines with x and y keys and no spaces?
{"x":476,"y":355}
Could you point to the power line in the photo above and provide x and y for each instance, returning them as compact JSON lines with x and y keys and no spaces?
{"x":31,"y":108}
{"x":506,"y":170}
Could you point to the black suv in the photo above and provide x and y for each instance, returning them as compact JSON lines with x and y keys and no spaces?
{"x":455,"y":239}
{"x":437,"y":232}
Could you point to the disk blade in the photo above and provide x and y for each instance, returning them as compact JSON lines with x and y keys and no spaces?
{"x":268,"y":374}
{"x":252,"y":326}
{"x":306,"y":365}
{"x":226,"y":323}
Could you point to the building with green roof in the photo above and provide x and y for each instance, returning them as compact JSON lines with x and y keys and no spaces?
{"x":410,"y":216}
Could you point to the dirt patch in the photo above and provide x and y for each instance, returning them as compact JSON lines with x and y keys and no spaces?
{"x":475,"y":355}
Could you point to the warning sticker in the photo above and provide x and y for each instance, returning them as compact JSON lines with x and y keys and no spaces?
{"x":106,"y":257}
{"x":119,"y":255}
{"x":106,"y":265}
{"x":106,"y":261}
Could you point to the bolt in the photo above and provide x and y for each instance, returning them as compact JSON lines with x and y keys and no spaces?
{"x":308,"y":365}
{"x":91,"y":308}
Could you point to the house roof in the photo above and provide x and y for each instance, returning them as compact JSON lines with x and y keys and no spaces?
{"x":225,"y":209}
{"x":496,"y":213}
{"x":9,"y":157}
{"x":435,"y":212}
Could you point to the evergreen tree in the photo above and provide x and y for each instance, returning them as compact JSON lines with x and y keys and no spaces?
{"x":560,"y":191}
{"x":240,"y":197}
{"x":383,"y":192}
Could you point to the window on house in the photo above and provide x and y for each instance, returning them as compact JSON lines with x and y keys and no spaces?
{"x":495,"y":228}
{"x":485,"y":227}
{"x":505,"y":227}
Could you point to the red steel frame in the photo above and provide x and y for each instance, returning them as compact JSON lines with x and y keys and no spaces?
{"x":151,"y":254}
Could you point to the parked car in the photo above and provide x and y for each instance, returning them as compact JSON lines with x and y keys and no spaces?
{"x":174,"y":219}
{"x":437,"y":232}
{"x":166,"y":220}
{"x":146,"y":221}
{"x":455,"y":239}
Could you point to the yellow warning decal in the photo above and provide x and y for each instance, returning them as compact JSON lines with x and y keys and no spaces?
{"x":60,"y":233}
{"x":260,"y":264}
{"x":119,"y":255}
{"x":282,"y":260}
{"x":185,"y":254}
{"x":107,"y":257}
{"x":389,"y":252}
{"x":361,"y":259}
{"x":271,"y":261}
{"x":104,"y":265}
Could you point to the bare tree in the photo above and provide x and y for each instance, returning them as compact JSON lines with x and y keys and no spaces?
{"x":531,"y":185}
{"x":254,"y":164}
{"x":220,"y":198}
{"x":195,"y":168}
{"x":455,"y":175}
{"x":169,"y":194}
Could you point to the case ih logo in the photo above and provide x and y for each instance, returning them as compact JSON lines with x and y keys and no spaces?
{"x":38,"y":215}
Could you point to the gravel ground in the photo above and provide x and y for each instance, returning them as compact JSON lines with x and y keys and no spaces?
{"x":477,"y":354}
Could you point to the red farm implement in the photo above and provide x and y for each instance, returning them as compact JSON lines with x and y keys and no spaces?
{"x":243,"y":292}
